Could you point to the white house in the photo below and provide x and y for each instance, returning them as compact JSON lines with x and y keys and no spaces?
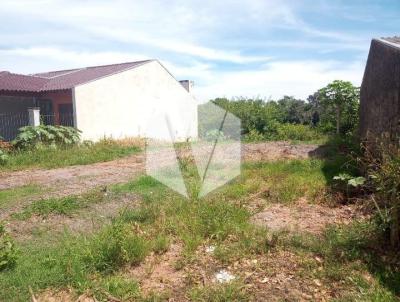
{"x":120,"y":100}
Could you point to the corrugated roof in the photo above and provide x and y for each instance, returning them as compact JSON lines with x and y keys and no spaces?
{"x":61,"y":79}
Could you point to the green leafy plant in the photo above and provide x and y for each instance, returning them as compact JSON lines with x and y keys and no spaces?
{"x":214,"y":134}
{"x":350,"y":180}
{"x":254,"y":136}
{"x":30,"y":137}
{"x":296,"y":132}
{"x":350,"y":185}
{"x":3,"y":157}
{"x":8,"y":252}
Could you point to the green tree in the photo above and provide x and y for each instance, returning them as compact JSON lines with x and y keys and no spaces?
{"x":295,"y":111}
{"x":343,"y":98}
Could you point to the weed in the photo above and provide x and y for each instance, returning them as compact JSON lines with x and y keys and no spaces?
{"x":220,"y":293}
{"x":8,"y":251}
{"x":120,"y":288}
{"x":59,"y":206}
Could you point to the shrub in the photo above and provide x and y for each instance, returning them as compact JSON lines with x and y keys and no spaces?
{"x":30,"y":137}
{"x":254,"y":136}
{"x":384,"y":174}
{"x":3,"y":157}
{"x":296,"y":132}
{"x":8,"y":252}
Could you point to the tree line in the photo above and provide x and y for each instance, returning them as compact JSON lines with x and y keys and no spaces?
{"x":331,"y":109}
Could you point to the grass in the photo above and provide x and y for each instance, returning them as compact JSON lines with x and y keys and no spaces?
{"x":220,"y":293}
{"x":48,"y":158}
{"x":10,"y":196}
{"x":96,"y":262}
{"x":350,"y":254}
{"x":59,"y":206}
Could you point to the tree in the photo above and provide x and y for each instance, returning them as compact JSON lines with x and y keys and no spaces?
{"x":342,"y":97}
{"x":295,"y":111}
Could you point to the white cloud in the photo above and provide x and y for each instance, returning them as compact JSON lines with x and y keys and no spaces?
{"x":274,"y":79}
{"x":221,"y":45}
{"x":297,"y":78}
{"x":34,"y":59}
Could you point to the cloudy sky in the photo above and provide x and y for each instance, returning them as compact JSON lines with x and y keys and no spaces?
{"x":253,"y":48}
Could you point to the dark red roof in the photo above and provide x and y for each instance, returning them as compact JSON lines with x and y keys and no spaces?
{"x":61,"y":79}
{"x":19,"y":82}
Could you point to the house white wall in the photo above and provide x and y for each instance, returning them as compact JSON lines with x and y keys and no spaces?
{"x":136,"y":102}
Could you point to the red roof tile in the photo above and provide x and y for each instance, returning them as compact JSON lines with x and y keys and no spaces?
{"x":19,"y":82}
{"x":61,"y":79}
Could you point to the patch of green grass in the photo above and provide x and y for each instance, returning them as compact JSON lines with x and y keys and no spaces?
{"x":289,"y":180}
{"x":191,"y":221}
{"x":120,"y":288}
{"x":220,"y":293}
{"x":161,"y":244}
{"x":73,"y":261}
{"x":10,"y":196}
{"x":49,"y":158}
{"x":59,"y":206}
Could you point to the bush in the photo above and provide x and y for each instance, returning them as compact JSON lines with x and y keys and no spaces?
{"x":3,"y":157}
{"x":8,"y":253}
{"x":254,"y":136}
{"x":383,"y":170}
{"x":296,"y":132}
{"x":30,"y":137}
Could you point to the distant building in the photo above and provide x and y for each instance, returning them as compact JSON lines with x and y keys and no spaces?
{"x":380,"y":91}
{"x":118,"y":100}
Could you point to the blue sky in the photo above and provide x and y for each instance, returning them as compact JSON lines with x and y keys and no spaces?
{"x":248,"y":48}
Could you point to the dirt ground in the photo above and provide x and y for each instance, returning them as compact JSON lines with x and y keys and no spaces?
{"x":76,"y":179}
{"x":305,"y":217}
{"x":274,"y":278}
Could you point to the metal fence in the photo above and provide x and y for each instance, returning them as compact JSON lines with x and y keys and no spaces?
{"x":11,"y":122}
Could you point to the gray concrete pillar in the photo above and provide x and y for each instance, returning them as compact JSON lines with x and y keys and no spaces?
{"x":34,"y":116}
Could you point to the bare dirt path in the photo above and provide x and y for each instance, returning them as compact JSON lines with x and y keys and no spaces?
{"x":76,"y":179}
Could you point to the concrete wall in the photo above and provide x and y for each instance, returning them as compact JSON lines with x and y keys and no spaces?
{"x":136,"y":102}
{"x":380,"y":92}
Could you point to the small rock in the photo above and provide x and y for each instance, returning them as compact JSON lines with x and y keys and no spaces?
{"x":224,"y":276}
{"x":210,"y":249}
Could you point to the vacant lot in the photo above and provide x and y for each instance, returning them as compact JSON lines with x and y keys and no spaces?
{"x":106,"y":232}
